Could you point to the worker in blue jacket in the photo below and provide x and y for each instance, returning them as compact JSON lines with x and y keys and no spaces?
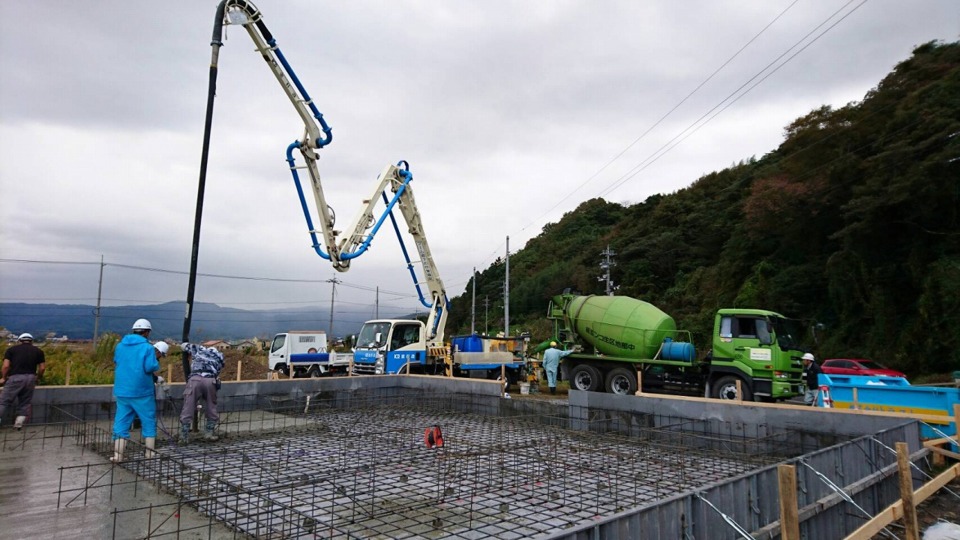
{"x":135,"y":363}
{"x":551,"y":362}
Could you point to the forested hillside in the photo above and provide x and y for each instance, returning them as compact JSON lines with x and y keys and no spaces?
{"x":852,"y":222}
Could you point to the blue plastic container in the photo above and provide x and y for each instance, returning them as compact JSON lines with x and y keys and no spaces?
{"x":471,"y":343}
{"x":677,"y":350}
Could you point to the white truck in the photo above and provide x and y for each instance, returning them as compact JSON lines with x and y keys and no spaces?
{"x":306,"y":352}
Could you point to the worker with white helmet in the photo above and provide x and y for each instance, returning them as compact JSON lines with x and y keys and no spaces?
{"x":135,"y":362}
{"x":162,"y":348}
{"x":23,"y":364}
{"x":551,"y":362}
{"x":811,"y":375}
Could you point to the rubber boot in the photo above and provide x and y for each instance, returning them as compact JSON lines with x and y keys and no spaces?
{"x":553,"y":389}
{"x":208,"y":434}
{"x":119,"y":446}
{"x":184,"y":434}
{"x":150,"y":443}
{"x":18,"y":423}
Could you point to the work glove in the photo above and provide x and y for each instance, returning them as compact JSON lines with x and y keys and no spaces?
{"x":160,"y":380}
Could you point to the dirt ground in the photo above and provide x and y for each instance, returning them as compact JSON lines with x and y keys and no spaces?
{"x":251,"y":366}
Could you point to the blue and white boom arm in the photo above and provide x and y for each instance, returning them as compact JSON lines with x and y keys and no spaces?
{"x":317,"y":134}
{"x":395,"y":190}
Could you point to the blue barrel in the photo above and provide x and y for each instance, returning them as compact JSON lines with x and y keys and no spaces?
{"x":471,"y":343}
{"x":677,"y":350}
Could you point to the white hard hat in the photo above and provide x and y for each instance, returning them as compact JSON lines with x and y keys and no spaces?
{"x":25,"y":337}
{"x":142,"y":324}
{"x":808,"y":356}
{"x":162,"y":347}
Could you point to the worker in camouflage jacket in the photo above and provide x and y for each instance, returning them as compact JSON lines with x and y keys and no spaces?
{"x":203,"y":383}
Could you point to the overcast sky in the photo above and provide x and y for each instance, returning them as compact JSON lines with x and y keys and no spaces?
{"x":509,"y":113}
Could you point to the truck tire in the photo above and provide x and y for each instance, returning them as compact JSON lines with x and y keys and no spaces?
{"x":586,"y":378}
{"x":726,"y":388}
{"x":282,"y":368}
{"x":314,"y":372}
{"x":621,"y":381}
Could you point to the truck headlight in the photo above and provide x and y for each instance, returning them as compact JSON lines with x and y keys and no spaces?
{"x":378,"y":367}
{"x":781,"y":375}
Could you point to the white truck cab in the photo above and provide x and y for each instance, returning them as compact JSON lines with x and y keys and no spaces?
{"x":293,"y":342}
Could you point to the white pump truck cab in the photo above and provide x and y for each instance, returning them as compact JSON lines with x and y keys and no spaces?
{"x":306,"y":352}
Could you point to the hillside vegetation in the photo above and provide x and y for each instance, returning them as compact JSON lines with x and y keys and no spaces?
{"x":852,"y":222}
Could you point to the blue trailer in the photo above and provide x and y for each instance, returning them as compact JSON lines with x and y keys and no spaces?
{"x":895,"y":394}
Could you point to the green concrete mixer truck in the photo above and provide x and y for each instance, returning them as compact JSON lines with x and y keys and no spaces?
{"x":622,"y":337}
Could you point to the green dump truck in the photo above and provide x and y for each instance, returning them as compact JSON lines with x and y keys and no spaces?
{"x":622,"y":337}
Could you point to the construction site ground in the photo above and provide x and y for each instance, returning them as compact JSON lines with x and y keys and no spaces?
{"x":291,"y":467}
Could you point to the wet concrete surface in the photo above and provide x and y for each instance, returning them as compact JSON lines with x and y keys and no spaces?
{"x":50,"y":488}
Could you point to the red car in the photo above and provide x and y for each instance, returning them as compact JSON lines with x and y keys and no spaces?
{"x":857,"y":366}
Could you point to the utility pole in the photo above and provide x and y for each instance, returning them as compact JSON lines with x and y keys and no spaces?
{"x":506,"y":295}
{"x":333,"y":292}
{"x":606,"y":264}
{"x":473,"y":304}
{"x":96,"y":312}
{"x":486,"y":320}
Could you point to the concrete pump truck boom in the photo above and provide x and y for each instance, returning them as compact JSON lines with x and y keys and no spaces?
{"x":393,"y":185}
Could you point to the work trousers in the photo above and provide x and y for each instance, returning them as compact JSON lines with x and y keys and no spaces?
{"x":18,"y":387}
{"x":551,"y":375}
{"x":199,"y":388}
{"x":810,"y":396}
{"x":144,"y":408}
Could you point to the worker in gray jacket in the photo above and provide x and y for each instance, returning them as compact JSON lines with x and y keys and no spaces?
{"x":203,"y":383}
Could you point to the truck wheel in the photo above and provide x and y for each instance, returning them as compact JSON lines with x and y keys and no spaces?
{"x":282,"y":368}
{"x":622,"y":381}
{"x":726,"y":388}
{"x":586,"y":378}
{"x":314,"y":372}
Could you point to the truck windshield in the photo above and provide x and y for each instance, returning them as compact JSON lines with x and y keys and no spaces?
{"x":368,"y":334}
{"x":789,"y":332}
{"x":278,"y":342}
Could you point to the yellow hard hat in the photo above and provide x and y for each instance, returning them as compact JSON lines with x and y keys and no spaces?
{"x":553,"y":343}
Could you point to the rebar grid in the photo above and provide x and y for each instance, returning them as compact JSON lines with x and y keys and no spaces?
{"x":355,"y":465}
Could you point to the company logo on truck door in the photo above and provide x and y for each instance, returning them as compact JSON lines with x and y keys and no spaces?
{"x":610,"y":340}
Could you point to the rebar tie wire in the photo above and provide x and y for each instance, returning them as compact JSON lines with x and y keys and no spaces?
{"x":915,"y":466}
{"x":743,"y":532}
{"x":844,"y":495}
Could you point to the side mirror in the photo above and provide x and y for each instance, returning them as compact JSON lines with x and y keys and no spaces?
{"x":378,"y":338}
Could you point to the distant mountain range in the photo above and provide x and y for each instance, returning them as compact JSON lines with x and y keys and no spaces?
{"x":209,"y":321}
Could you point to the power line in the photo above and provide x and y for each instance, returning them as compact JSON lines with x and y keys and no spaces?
{"x":664,"y":117}
{"x":220,"y":276}
{"x":681,"y":136}
{"x":726,"y":102}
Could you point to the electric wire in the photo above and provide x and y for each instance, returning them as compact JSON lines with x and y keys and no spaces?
{"x":694,"y":126}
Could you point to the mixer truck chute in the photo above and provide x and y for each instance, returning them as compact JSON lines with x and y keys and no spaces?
{"x":623,"y":336}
